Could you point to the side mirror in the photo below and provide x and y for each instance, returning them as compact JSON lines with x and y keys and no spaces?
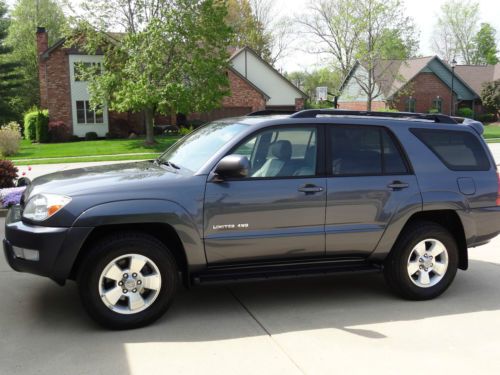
{"x":233,"y":166}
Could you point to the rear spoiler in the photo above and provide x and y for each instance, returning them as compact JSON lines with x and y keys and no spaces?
{"x":474,"y":124}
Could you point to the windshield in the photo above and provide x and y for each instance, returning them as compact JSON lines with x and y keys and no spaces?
{"x":195,"y":149}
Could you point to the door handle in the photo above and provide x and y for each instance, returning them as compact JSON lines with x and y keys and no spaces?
{"x":397,"y":185}
{"x":310,"y":189}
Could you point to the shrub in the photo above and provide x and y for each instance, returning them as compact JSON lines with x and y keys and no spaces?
{"x":74,"y":138}
{"x":433,"y":110}
{"x":185,"y":131}
{"x":58,"y":131}
{"x":486,"y":118}
{"x":8,"y":174}
{"x":90,"y":136}
{"x":10,"y":138}
{"x":465,"y":112}
{"x":387,"y":110}
{"x":34,"y":119}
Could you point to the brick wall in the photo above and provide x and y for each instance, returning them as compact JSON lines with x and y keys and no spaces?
{"x":299,"y":104}
{"x":361,"y":106}
{"x":426,"y":88}
{"x":243,"y":94}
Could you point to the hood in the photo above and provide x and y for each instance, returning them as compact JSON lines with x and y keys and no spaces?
{"x":111,"y":179}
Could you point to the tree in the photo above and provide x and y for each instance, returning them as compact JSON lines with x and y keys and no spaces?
{"x":9,"y":78}
{"x":172,"y":58}
{"x":27,"y":15}
{"x":490,"y":96}
{"x":456,"y":29}
{"x":248,"y":30}
{"x":485,"y":46}
{"x":309,"y":81}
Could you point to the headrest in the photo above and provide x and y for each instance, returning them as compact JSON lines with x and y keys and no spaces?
{"x":282,"y":150}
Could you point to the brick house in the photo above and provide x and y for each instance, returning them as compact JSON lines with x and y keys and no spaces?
{"x":254,"y":85}
{"x":418,"y":85}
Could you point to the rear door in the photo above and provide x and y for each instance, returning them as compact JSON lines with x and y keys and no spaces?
{"x":278,"y":211}
{"x":369,"y":178}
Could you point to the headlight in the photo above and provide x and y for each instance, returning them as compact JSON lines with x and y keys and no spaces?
{"x":43,"y":206}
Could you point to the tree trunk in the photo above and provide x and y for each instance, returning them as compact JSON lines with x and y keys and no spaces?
{"x":149,"y":117}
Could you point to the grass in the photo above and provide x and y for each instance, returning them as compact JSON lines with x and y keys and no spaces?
{"x":492,"y":131}
{"x":100,"y":150}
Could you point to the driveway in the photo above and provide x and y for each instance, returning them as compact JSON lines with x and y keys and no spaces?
{"x":347,"y":324}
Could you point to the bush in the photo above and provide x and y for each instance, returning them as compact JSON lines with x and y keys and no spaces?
{"x":10,"y":139}
{"x":486,"y":118}
{"x":58,"y":131}
{"x":185,"y":131}
{"x":465,"y":112}
{"x":387,"y":110}
{"x":433,"y":111}
{"x":8,"y":174}
{"x":90,"y":136}
{"x":33,"y":120}
{"x":74,"y":138}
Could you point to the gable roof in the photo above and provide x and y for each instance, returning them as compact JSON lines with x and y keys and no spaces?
{"x":393,"y":75}
{"x":281,"y":76}
{"x":477,"y":75}
{"x":241,"y":76}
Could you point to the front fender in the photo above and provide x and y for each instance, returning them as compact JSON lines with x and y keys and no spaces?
{"x":150,"y":211}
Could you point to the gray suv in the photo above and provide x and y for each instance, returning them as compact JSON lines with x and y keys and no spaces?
{"x":256,"y":197}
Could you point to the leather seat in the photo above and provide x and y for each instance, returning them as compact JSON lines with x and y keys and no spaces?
{"x":281,"y":152}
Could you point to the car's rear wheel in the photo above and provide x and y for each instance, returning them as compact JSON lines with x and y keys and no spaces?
{"x":127,"y":280}
{"x":423,"y":262}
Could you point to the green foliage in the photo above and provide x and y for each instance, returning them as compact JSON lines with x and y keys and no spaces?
{"x":185,"y":131}
{"x":485,"y":45}
{"x":27,"y":15}
{"x":91,"y":136}
{"x":248,"y":31}
{"x":9,"y":77}
{"x":31,"y":120}
{"x":465,"y":112}
{"x":490,"y":96}
{"x":8,"y":174}
{"x":432,"y":110}
{"x":42,"y":127}
{"x":387,"y":110}
{"x":174,"y":62}
{"x":308,"y":82}
{"x":487,"y":118}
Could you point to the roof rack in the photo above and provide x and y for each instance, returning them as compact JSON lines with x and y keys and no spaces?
{"x":312,"y":113}
{"x":269,"y":112}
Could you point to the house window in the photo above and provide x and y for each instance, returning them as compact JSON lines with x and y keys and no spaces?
{"x":85,"y":114}
{"x":437,"y":104}
{"x":411,"y":104}
{"x":81,"y":69}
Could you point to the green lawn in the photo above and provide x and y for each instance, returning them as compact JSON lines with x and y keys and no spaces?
{"x":492,"y":131}
{"x":87,"y":150}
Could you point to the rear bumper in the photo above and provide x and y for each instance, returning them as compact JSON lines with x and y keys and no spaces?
{"x":487,"y":223}
{"x":57,"y":247}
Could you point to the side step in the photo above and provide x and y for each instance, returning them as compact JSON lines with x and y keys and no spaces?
{"x":235,"y":273}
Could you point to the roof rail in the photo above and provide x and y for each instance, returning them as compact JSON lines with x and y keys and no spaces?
{"x":270,"y":112}
{"x":312,"y":113}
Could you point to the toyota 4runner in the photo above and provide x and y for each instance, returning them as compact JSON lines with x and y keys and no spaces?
{"x":316,"y":192}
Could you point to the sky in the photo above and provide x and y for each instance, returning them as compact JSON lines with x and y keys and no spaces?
{"x":423,"y":12}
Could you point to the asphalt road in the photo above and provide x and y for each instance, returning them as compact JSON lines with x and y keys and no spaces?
{"x":345,"y":324}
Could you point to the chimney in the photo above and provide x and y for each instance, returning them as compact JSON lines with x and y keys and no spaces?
{"x":42,"y":40}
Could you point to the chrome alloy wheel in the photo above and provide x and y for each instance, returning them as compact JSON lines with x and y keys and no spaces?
{"x":129,"y":284}
{"x":427,"y":263}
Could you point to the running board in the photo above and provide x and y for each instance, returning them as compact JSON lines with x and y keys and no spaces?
{"x":235,"y":273}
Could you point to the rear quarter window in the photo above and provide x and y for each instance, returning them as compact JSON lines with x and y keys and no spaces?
{"x":458,"y":150}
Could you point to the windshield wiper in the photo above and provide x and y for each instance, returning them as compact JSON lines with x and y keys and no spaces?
{"x":167,"y":163}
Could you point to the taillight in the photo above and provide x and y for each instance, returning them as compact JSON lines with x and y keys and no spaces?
{"x":498,"y":189}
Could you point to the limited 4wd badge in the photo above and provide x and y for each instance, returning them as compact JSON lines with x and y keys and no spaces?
{"x":230,"y":226}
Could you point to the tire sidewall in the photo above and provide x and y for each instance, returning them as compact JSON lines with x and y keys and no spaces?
{"x":103,"y":255}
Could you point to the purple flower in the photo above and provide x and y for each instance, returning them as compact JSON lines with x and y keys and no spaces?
{"x":11,"y":196}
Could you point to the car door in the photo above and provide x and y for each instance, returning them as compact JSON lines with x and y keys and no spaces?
{"x":369,"y":178}
{"x":278,"y":211}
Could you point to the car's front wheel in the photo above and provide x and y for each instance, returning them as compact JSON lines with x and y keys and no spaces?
{"x":423,"y":263}
{"x":127,"y":280}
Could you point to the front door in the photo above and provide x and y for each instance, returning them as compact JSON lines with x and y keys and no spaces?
{"x":369,"y":181}
{"x":278,"y":211}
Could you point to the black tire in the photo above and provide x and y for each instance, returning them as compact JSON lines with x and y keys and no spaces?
{"x":103,"y":253}
{"x":395,"y":266}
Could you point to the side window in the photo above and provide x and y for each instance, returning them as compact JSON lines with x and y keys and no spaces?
{"x":458,"y":150}
{"x":283,"y":152}
{"x":364,"y":151}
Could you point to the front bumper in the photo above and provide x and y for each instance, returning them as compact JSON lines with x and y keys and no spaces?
{"x":57,"y":247}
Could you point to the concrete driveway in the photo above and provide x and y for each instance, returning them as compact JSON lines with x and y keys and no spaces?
{"x":345,"y":324}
